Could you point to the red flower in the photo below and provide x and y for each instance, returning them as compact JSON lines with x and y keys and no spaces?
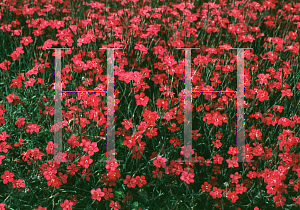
{"x":10,"y":98}
{"x":255,"y":133}
{"x":141,"y":99}
{"x":74,"y":200}
{"x":63,"y":177}
{"x":30,"y":82}
{"x":16,"y":82}
{"x":177,"y":43}
{"x":127,"y":124}
{"x":4,"y":146}
{"x":3,"y":136}
{"x":116,"y":205}
{"x":140,"y":180}
{"x":126,"y":197}
{"x":141,"y":48}
{"x":216,"y":193}
{"x":50,"y":147}
{"x":206,"y":187}
{"x":287,"y":93}
{"x":41,"y":81}
{"x":39,"y":208}
{"x":97,"y":194}
{"x":20,"y":121}
{"x":235,"y":177}
{"x":26,"y":40}
{"x":83,"y":122}
{"x":175,"y":142}
{"x":187,"y":151}
{"x":130,"y":141}
{"x":7,"y":177}
{"x":111,"y":165}
{"x":85,"y":161}
{"x":72,"y":169}
{"x":67,"y":205}
{"x":20,"y":143}
{"x":263,"y":78}
{"x":1,"y":158}
{"x":217,"y":143}
{"x":2,"y":205}
{"x":90,"y":148}
{"x":73,"y":141}
{"x":18,"y":183}
{"x":232,"y":196}
{"x":262,"y":95}
{"x":218,"y":159}
{"x":225,"y":46}
{"x":131,"y":182}
{"x":108,"y":193}
{"x":32,"y":127}
{"x":160,"y":162}
{"x":169,"y":61}
{"x":168,"y":116}
{"x":159,"y":50}
{"x":187,"y":177}
{"x":5,"y":65}
{"x":278,"y":108}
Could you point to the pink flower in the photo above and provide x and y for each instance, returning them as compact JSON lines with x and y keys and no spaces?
{"x":30,"y":82}
{"x":1,"y":158}
{"x":111,"y":165}
{"x":18,"y":183}
{"x":85,"y":161}
{"x":20,"y":121}
{"x":97,"y":194}
{"x":131,"y":182}
{"x":160,"y":162}
{"x":3,"y":136}
{"x":10,"y":98}
{"x":168,"y":116}
{"x":7,"y":177}
{"x":187,"y":177}
{"x":66,"y":205}
{"x":140,"y":180}
{"x":32,"y":127}
{"x":141,"y":48}
{"x":39,"y":208}
{"x":287,"y":93}
{"x":127,"y":124}
{"x":26,"y":40}
{"x":141,"y":99}
{"x":114,"y":204}
{"x":178,"y":43}
{"x":2,"y":204}
{"x":225,"y":46}
{"x":262,"y":95}
{"x":90,"y":148}
{"x":5,"y":65}
{"x":50,"y":147}
{"x":187,"y":151}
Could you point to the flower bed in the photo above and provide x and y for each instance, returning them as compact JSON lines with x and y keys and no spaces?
{"x":149,"y":170}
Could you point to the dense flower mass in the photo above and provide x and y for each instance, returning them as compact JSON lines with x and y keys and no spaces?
{"x":141,"y":104}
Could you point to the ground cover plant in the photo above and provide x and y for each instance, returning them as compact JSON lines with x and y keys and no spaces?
{"x":149,"y":75}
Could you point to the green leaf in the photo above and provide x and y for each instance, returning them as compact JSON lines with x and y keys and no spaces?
{"x":135,"y":205}
{"x":119,"y":193}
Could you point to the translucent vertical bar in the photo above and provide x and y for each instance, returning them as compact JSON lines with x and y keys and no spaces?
{"x":110,"y":106}
{"x":188,"y":108}
{"x":240,"y":137}
{"x":57,"y":109}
